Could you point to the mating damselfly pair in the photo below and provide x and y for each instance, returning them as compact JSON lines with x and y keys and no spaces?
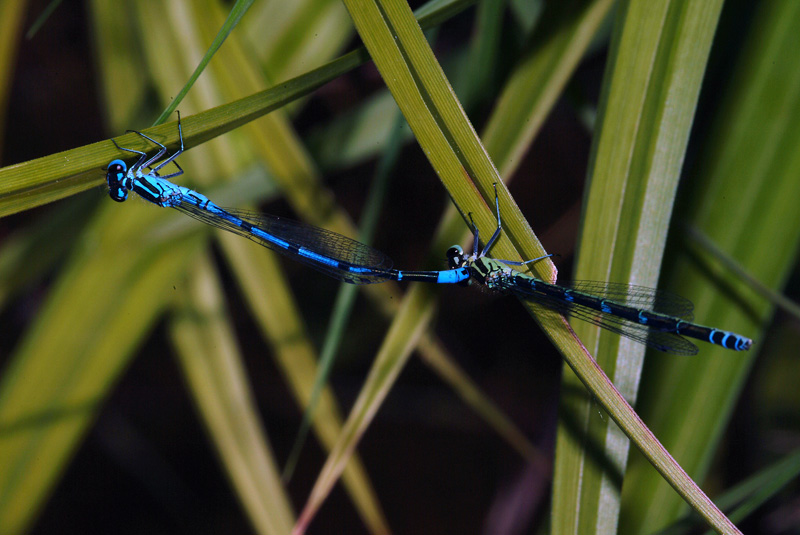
{"x":652,"y":317}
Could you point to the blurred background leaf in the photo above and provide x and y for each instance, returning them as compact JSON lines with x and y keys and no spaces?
{"x":97,"y":430}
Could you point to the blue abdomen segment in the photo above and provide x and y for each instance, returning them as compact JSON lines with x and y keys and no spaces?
{"x":729,"y":340}
{"x":449,"y":276}
{"x":718,"y":337}
{"x":453,"y":276}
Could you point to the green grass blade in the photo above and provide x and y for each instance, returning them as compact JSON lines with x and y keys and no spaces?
{"x":657,"y":61}
{"x":539,"y":79}
{"x":42,"y":18}
{"x":483,"y":76}
{"x":66,"y":363}
{"x":279,"y":34}
{"x":345,"y":298}
{"x":277,"y":315}
{"x":404,"y":334}
{"x":120,"y":59}
{"x":204,"y":338}
{"x":747,"y":495}
{"x":741,"y":195}
{"x":37,"y":182}
{"x":11,"y":22}
{"x":234,"y":16}
{"x":39,"y":247}
{"x":699,"y":241}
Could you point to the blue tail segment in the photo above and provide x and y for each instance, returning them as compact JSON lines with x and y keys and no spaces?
{"x":335,"y":255}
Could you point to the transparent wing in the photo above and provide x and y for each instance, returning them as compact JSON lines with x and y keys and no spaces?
{"x":323,"y":242}
{"x":636,"y":296}
{"x":639,"y":297}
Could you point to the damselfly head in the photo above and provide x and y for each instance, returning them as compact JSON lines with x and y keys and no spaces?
{"x":115,"y":175}
{"x":455,"y":257}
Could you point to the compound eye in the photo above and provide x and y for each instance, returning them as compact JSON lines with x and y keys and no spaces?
{"x":119,"y":194}
{"x":115,"y":176}
{"x":455,"y":257}
{"x":117,"y":166}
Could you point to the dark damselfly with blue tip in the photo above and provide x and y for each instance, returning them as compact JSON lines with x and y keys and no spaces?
{"x":652,"y":317}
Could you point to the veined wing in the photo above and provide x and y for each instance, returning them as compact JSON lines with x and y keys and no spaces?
{"x":640,"y":297}
{"x":333,"y":253}
{"x":667,"y":342}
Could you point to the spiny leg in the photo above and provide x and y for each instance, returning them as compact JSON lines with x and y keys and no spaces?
{"x":496,"y":234}
{"x":158,"y":155}
{"x":161,"y":152}
{"x":138,"y":164}
{"x":499,"y":229}
{"x":175,"y":154}
{"x":475,"y":237}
